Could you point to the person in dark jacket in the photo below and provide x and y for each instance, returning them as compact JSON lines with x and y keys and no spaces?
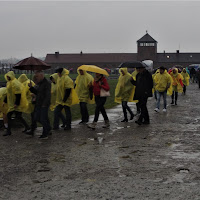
{"x":144,"y":85}
{"x":42,"y":103}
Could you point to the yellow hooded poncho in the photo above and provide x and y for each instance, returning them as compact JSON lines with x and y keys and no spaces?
{"x":15,"y":87}
{"x":25,"y":81}
{"x":82,"y":87}
{"x":3,"y":106}
{"x":186,"y":77}
{"x":53,"y":91}
{"x":177,"y":87}
{"x":65,"y":82}
{"x":162,"y":81}
{"x":124,"y":90}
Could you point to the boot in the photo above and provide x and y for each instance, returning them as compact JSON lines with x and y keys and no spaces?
{"x":107,"y":124}
{"x":92,"y":125}
{"x":132,"y":116}
{"x":7,"y":133}
{"x":124,"y":120}
{"x":172,"y":102}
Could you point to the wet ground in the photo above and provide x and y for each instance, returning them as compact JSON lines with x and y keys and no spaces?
{"x":127,"y":161}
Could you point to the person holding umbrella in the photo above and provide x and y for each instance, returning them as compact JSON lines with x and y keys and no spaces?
{"x":42,"y":103}
{"x":16,"y":100}
{"x":124,"y":92}
{"x":144,"y":85}
{"x":65,"y":98}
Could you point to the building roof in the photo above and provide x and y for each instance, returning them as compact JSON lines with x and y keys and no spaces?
{"x":178,"y":57}
{"x":90,"y":58}
{"x":147,"y":38}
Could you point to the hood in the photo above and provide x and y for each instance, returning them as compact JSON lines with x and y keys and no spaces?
{"x":22,"y":78}
{"x":55,"y":77}
{"x":124,"y":70}
{"x":11,"y":75}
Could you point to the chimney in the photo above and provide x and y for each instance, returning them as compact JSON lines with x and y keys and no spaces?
{"x":57,"y":53}
{"x":81,"y":53}
{"x":177,"y":51}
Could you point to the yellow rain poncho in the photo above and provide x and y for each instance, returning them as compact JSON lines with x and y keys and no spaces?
{"x":25,"y":81}
{"x":53,"y":91}
{"x":82,"y":87}
{"x":124,"y":90}
{"x":186,"y":77}
{"x":3,"y":106}
{"x":162,"y":81}
{"x":177,"y":87}
{"x":15,"y":87}
{"x":65,"y":82}
{"x":134,"y":74}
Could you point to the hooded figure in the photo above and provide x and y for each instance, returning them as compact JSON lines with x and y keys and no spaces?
{"x":163,"y":86}
{"x":65,"y":97}
{"x":54,"y":79}
{"x":3,"y":106}
{"x":25,"y":81}
{"x":186,"y":78}
{"x":83,"y":88}
{"x":16,"y":101}
{"x":124,"y":92}
{"x":177,"y":84}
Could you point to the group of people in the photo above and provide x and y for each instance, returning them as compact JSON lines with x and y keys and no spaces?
{"x":38,"y":96}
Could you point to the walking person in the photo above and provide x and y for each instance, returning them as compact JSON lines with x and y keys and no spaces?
{"x":192,"y":74}
{"x":162,"y":82}
{"x":186,"y":78}
{"x":144,"y":85}
{"x":124,"y":93}
{"x":177,"y":85}
{"x":65,"y":98}
{"x":83,"y":88}
{"x":134,"y":74}
{"x":99,"y":83}
{"x":54,"y":80}
{"x":16,"y":101}
{"x":42,"y":103}
{"x":30,"y":108}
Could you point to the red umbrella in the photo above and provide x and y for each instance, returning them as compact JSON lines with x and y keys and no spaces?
{"x":32,"y":64}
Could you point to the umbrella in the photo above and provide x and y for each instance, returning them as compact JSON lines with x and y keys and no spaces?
{"x":93,"y":68}
{"x":31,"y":63}
{"x":133,"y":64}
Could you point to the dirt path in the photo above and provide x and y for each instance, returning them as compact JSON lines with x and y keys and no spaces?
{"x":127,"y":161}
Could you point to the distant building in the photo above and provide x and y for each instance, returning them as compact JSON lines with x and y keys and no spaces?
{"x":146,"y":50}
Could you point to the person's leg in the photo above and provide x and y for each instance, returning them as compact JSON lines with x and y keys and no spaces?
{"x":44,"y":119}
{"x":97,"y":109}
{"x":138,"y":107}
{"x":102,"y":109}
{"x":5,"y":120}
{"x":33,"y":121}
{"x":58,"y":115}
{"x":68,"y":117}
{"x":144,"y":116}
{"x":124,"y":111}
{"x":9,"y":117}
{"x":172,"y":97}
{"x":158,"y":94}
{"x":184,"y":89}
{"x":165,"y":100}
{"x":176,"y":97}
{"x":22,"y":120}
{"x":82,"y":112}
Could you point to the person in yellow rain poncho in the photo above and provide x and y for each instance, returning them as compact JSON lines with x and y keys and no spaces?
{"x":186,"y":78}
{"x":162,"y":85}
{"x":177,"y":84}
{"x":83,"y":88}
{"x":124,"y":93}
{"x":30,"y":108}
{"x":3,"y":106}
{"x":65,"y":97}
{"x":16,"y":100}
{"x":54,"y":79}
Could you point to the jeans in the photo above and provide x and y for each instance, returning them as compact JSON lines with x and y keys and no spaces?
{"x":126,"y":107}
{"x":41,"y":116}
{"x":58,"y":115}
{"x":100,"y":101}
{"x":159,"y":94}
{"x":144,"y":115}
{"x":18,"y":116}
{"x":84,"y":112}
{"x":176,"y":96}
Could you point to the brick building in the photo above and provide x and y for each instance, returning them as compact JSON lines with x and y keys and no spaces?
{"x":146,"y":50}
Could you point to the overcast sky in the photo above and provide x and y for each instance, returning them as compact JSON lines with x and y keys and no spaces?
{"x":96,"y":27}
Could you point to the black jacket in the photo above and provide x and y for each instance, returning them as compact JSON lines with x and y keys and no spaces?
{"x":43,"y":93}
{"x":144,"y":85}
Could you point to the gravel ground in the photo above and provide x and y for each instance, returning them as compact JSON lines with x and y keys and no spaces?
{"x":127,"y":161}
